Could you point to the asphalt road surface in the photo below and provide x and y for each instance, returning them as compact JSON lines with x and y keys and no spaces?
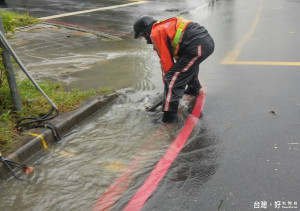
{"x":245,"y":152}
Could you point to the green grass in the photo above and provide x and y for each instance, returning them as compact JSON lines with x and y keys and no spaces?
{"x":11,"y":20}
{"x":35,"y":104}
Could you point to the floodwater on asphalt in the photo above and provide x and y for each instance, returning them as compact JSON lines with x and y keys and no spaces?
{"x":243,"y":151}
{"x":82,"y":60}
{"x":75,"y":172}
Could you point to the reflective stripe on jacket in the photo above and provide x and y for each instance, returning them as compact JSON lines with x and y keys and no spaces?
{"x":163,"y":34}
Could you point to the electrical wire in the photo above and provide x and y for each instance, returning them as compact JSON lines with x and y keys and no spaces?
{"x":11,"y":164}
{"x":27,"y":123}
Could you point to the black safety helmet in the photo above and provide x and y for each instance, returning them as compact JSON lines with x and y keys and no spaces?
{"x":142,"y":25}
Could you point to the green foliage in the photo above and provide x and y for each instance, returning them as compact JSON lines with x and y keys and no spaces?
{"x":35,"y":104}
{"x":11,"y":20}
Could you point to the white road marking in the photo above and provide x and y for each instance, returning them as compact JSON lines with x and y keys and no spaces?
{"x":92,"y":10}
{"x":201,"y":7}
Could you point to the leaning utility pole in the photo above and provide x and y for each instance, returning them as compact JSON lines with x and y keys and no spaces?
{"x":10,"y":74}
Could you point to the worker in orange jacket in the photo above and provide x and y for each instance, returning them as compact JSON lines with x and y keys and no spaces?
{"x":181,"y":46}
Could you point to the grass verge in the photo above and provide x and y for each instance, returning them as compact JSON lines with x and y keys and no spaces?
{"x":11,"y":20}
{"x":34,"y":105}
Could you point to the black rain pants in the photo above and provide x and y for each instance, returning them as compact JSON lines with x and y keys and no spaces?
{"x":185,"y":72}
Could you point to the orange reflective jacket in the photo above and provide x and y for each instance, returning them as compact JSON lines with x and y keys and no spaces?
{"x":172,"y":29}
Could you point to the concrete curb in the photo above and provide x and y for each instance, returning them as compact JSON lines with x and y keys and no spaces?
{"x":64,"y":123}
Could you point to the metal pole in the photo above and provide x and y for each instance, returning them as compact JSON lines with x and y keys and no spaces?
{"x":12,"y":53}
{"x":10,"y":75}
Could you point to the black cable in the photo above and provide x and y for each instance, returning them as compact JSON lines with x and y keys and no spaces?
{"x":40,"y":122}
{"x":54,"y":130}
{"x":10,"y":164}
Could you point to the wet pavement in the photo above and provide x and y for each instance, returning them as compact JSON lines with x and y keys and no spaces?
{"x":243,"y":153}
{"x":79,"y":59}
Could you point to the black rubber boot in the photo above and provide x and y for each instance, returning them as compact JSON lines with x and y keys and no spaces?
{"x":170,"y":117}
{"x":191,"y":91}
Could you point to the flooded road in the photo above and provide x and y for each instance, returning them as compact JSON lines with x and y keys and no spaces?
{"x":243,"y":153}
{"x":77,"y":57}
{"x":87,"y":161}
{"x":80,"y":59}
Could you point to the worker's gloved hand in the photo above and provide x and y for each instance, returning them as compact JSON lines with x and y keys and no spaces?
{"x":170,"y":117}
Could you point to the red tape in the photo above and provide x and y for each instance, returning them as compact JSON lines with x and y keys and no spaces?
{"x":112,"y":194}
{"x":151,"y":183}
{"x":88,"y":28}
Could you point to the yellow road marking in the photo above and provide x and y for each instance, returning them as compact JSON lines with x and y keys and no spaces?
{"x":92,"y":10}
{"x":41,"y":137}
{"x":22,"y":42}
{"x":114,"y":166}
{"x":231,"y":57}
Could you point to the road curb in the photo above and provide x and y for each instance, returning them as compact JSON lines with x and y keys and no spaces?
{"x":42,"y":138}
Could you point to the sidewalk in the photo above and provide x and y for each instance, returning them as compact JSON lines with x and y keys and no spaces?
{"x":75,"y":55}
{"x":54,"y":51}
{"x":40,"y":48}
